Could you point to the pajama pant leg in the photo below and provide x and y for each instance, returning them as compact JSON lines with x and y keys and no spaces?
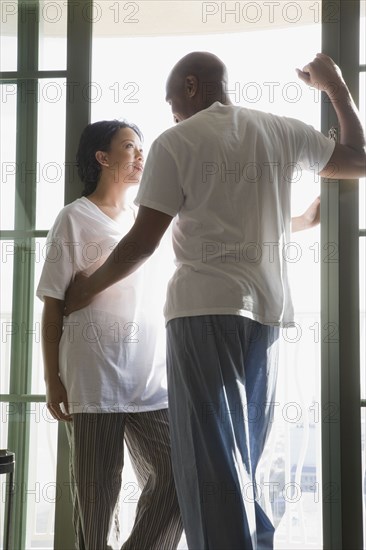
{"x":158,"y":524}
{"x":261,"y":367}
{"x":96,"y":462}
{"x":210,"y":432}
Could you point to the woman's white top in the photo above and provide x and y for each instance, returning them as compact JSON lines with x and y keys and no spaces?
{"x":109,"y":360}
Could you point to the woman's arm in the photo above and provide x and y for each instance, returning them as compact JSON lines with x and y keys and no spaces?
{"x":310,"y":218}
{"x":52,"y":322}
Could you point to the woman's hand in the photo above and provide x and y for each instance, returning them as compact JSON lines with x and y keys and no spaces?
{"x":55,"y":395}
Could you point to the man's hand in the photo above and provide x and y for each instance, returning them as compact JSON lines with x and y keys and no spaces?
{"x":131,"y":252}
{"x":77,"y":295}
{"x":56,"y":394}
{"x":323,"y":74}
{"x":348,"y":160}
{"x":310,"y":218}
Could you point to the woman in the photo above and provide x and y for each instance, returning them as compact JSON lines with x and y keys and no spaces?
{"x":102,"y":366}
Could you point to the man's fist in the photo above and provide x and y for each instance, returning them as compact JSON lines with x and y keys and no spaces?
{"x":323,"y":74}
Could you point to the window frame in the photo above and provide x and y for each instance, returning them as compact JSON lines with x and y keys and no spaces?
{"x":20,"y":398}
{"x":341,"y":440}
{"x":340,"y":356}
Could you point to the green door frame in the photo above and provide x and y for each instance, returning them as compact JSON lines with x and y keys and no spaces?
{"x":340,"y":356}
{"x":79,"y":39}
{"x":23,"y":262}
{"x":341,"y":447}
{"x":20,"y":398}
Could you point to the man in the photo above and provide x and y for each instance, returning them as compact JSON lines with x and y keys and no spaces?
{"x":224,"y":174}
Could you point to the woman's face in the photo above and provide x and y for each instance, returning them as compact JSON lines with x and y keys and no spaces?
{"x":125,"y":157}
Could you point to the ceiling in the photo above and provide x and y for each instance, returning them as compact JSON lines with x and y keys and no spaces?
{"x":170,"y":17}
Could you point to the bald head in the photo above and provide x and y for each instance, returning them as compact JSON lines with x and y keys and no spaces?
{"x":195,"y":82}
{"x":204,"y":65}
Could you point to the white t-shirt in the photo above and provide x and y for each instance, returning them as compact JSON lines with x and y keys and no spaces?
{"x":225,"y":173}
{"x":108,"y":359}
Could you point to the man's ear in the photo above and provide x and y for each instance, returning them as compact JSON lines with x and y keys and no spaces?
{"x":102,"y":158}
{"x":191,"y":86}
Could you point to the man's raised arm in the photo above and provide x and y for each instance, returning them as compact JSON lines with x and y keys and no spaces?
{"x":131,"y":252}
{"x":348,"y":160}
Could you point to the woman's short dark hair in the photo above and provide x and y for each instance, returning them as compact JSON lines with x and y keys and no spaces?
{"x":97,"y":137}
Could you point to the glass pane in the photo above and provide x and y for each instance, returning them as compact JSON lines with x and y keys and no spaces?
{"x":42,"y":489}
{"x":363,"y":450}
{"x":8,"y":109}
{"x":290,"y":470}
{"x":363,"y":118}
{"x":290,"y":473}
{"x":363,"y":316}
{"x":51,"y":151}
{"x":276,"y":89}
{"x":8,"y":328}
{"x":38,"y":386}
{"x":9,"y":35}
{"x":362,"y":203}
{"x":4,"y":411}
{"x":52,"y":35}
{"x":362,"y":32}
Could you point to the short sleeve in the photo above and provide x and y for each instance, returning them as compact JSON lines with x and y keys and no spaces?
{"x":316,"y":148}
{"x":58,"y":268}
{"x":160,"y":186}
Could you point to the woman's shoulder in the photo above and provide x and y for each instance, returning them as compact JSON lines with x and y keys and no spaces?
{"x":71,"y":209}
{"x":68,"y":215}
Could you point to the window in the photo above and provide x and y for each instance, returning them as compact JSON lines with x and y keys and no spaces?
{"x":32,"y":192}
{"x":42,"y":118}
{"x":362,"y":226}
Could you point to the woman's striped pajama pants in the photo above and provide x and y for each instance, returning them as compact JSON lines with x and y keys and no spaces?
{"x":96,"y":463}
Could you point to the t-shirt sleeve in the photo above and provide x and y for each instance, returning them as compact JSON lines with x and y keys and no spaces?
{"x":160,"y":186}
{"x":59,"y":265}
{"x":315,"y":148}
